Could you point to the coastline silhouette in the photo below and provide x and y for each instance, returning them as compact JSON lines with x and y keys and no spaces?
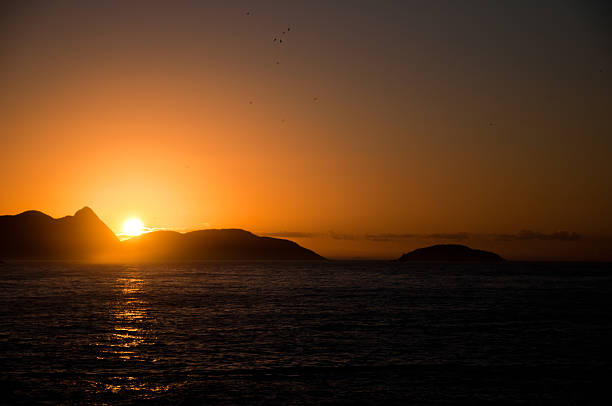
{"x":36,"y":235}
{"x":83,"y":236}
{"x":213,"y":244}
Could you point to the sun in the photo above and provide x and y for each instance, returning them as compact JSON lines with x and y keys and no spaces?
{"x":133,"y":227}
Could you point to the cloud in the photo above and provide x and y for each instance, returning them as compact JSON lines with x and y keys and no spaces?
{"x":383,"y":237}
{"x":292,"y":234}
{"x":337,"y":236}
{"x":448,"y":236}
{"x":525,"y":235}
{"x":386,"y":237}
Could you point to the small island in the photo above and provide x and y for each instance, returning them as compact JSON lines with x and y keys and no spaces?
{"x":450,"y":253}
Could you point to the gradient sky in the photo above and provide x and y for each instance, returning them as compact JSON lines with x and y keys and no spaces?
{"x":374,"y":128}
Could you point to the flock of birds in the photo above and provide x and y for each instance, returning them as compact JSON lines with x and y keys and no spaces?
{"x":278,"y":39}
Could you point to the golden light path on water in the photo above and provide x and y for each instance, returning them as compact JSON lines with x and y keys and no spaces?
{"x":130,"y":336}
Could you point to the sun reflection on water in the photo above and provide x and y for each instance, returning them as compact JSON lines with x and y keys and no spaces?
{"x":130,"y":335}
{"x":130,"y":312}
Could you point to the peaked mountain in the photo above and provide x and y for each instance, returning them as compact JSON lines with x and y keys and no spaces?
{"x":450,"y":252}
{"x":221,"y":244}
{"x":35,"y":235}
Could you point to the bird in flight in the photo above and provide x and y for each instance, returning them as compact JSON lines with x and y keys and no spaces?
{"x":282,"y":33}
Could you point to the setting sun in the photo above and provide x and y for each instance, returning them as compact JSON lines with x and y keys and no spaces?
{"x":133,"y":227}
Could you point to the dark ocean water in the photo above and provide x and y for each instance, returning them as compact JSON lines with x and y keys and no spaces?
{"x":306,"y":333}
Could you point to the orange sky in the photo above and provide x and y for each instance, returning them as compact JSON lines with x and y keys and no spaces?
{"x":380,"y":118}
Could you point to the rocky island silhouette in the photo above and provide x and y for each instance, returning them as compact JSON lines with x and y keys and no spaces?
{"x":451,"y":253}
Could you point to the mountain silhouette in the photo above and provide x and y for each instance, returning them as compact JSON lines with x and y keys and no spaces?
{"x":450,"y":252}
{"x":221,"y":244}
{"x":35,"y":235}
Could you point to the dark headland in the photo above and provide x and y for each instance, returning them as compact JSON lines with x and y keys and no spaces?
{"x":223,"y":244}
{"x":450,"y":253}
{"x":36,"y":235}
{"x":33,"y":235}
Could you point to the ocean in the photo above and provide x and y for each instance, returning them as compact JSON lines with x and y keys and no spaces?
{"x":279,"y":333}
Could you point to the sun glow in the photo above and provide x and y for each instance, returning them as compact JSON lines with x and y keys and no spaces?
{"x":133,"y":227}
